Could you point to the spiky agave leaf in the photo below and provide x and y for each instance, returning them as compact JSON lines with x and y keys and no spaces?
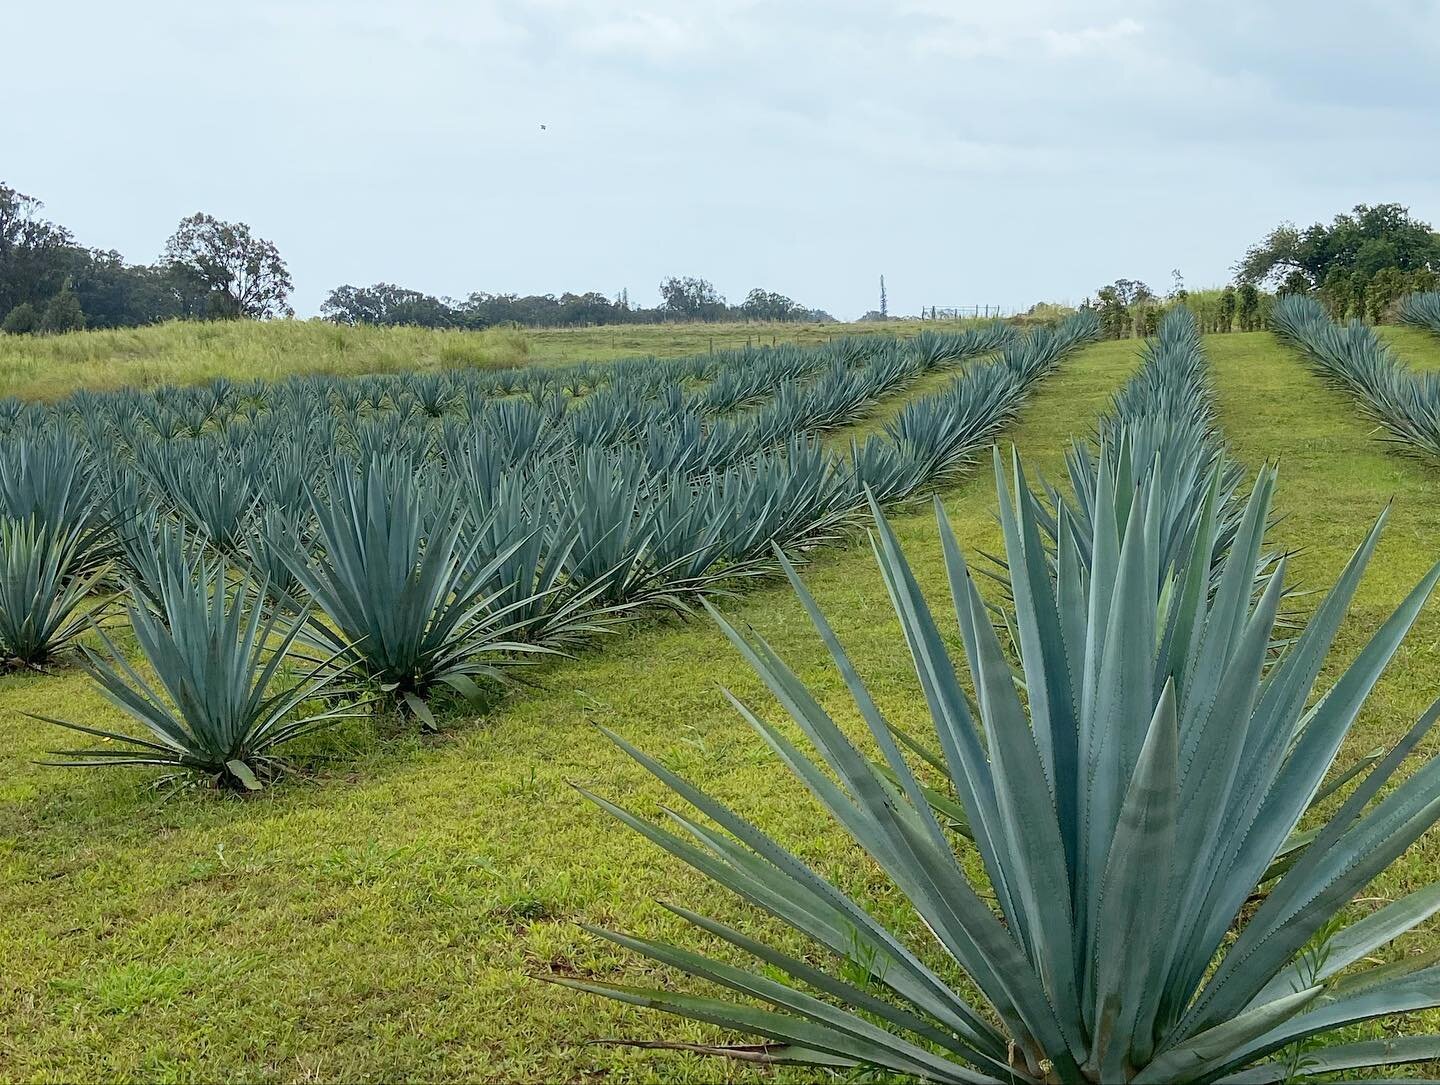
{"x":525,"y":542}
{"x":608,"y":499}
{"x":52,"y":480}
{"x":217,"y":704}
{"x":1123,"y":814}
{"x":1421,"y":310}
{"x":152,"y":547}
{"x":212,"y":486}
{"x":44,"y":596}
{"x":405,"y":604}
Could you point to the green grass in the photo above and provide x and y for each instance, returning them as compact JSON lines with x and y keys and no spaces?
{"x":1417,"y":346}
{"x":47,"y":367}
{"x":387,"y":916}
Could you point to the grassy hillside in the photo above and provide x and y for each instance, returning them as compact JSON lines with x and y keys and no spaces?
{"x":394,"y":918}
{"x":45,"y":367}
{"x":1417,"y":346}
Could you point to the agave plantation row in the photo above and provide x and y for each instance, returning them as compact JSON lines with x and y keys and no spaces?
{"x":291,"y":550}
{"x":1421,"y":310}
{"x":1405,"y":402}
{"x":1149,"y":910}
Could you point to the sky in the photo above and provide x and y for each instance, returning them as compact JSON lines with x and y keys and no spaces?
{"x":998,"y":153}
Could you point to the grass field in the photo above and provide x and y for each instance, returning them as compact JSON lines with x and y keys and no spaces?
{"x":1417,"y":346}
{"x":391,"y":918}
{"x":46,"y":367}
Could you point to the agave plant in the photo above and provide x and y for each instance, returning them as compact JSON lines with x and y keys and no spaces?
{"x":51,"y":480}
{"x":1124,"y":810}
{"x":152,"y":546}
{"x":212,"y":487}
{"x":405,"y":601}
{"x":526,"y":587}
{"x":220,"y":703}
{"x":1422,"y":310}
{"x":1161,"y":421}
{"x":43,"y":596}
{"x":608,"y":500}
{"x":1405,"y":402}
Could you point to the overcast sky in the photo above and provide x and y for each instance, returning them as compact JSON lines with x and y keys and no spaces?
{"x":974,"y":153}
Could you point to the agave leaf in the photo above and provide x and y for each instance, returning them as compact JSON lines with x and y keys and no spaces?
{"x":843,"y":1023}
{"x":1202,"y":1054}
{"x":1139,"y":872}
{"x":804,"y":1033}
{"x":847,"y":992}
{"x":1362,"y":938}
{"x":1340,"y":1057}
{"x":1407,"y":993}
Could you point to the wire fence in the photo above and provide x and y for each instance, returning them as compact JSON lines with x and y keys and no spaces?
{"x":964,"y":312}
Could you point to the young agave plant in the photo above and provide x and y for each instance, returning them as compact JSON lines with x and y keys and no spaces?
{"x":1422,"y":310}
{"x":52,"y":480}
{"x":1124,"y":811}
{"x":406,"y":604}
{"x":42,"y":592}
{"x":217,"y":655}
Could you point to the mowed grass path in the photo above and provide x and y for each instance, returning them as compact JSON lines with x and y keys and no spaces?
{"x":1336,"y":476}
{"x":387,"y":918}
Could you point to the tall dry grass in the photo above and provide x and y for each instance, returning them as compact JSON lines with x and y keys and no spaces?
{"x":182,"y":352}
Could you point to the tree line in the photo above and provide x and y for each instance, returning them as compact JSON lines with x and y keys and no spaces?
{"x":681,"y":299}
{"x":208,"y":269}
{"x":1359,"y":265}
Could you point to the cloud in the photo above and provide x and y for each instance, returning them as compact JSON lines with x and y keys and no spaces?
{"x":972,"y":153}
{"x":1088,"y":40}
{"x":654,"y":36}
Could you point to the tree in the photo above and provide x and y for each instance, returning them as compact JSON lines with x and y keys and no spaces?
{"x":32,"y":251}
{"x":591,"y":307}
{"x":115,"y":294}
{"x":1121,"y":307}
{"x":1297,"y":282}
{"x":1384,"y":291}
{"x":387,"y":304}
{"x":768,"y":305}
{"x":884,"y":301}
{"x":1359,"y":286}
{"x":1226,"y":318}
{"x":1178,"y":293}
{"x":1114,"y":317}
{"x":1248,"y":306}
{"x":63,"y":312}
{"x":224,"y":272}
{"x":690,"y":298}
{"x":1369,"y":239}
{"x":21,"y":320}
{"x":1335,"y":293}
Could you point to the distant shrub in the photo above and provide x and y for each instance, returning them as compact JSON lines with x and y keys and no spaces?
{"x":63,"y":313}
{"x":21,"y":320}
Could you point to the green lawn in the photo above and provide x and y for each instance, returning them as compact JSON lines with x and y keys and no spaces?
{"x":1417,"y":346}
{"x":387,"y":917}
